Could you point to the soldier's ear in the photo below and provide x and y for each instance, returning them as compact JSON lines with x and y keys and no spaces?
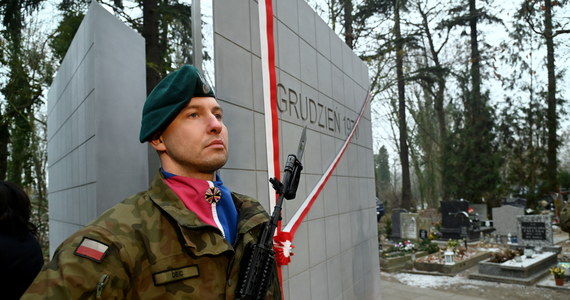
{"x":158,"y":144}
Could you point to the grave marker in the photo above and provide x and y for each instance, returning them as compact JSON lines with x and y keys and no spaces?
{"x":456,"y":223}
{"x":396,"y":230}
{"x":535,"y":230}
{"x":505,"y":219}
{"x":409,"y":226}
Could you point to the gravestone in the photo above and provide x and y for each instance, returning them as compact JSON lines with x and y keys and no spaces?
{"x":396,"y":232}
{"x":452,"y":213}
{"x":535,"y":230}
{"x":409,"y":226}
{"x":505,"y":219}
{"x":424,"y":225}
{"x":456,"y":222}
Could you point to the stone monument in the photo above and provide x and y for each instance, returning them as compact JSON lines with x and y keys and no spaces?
{"x":456,"y":223}
{"x":97,"y":98}
{"x":535,"y":230}
{"x":409,"y":226}
{"x":94,"y":115}
{"x":396,"y":224}
{"x":505,"y":219}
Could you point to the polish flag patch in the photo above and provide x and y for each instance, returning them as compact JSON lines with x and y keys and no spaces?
{"x":92,"y":249}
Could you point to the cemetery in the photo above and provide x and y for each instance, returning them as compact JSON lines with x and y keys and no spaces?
{"x":501,"y":245}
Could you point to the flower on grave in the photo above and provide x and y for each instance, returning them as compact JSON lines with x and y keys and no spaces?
{"x":434,"y":235}
{"x":406,"y":245}
{"x":452,"y":244}
{"x":557,"y":271}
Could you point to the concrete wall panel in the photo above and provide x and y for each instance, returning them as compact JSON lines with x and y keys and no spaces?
{"x":232,"y":26}
{"x":319,"y":291}
{"x":94,"y":157}
{"x":235,"y":61}
{"x":241,"y":135}
{"x":334,"y":277}
{"x":288,"y":45}
{"x":308,"y":60}
{"x":307,"y":27}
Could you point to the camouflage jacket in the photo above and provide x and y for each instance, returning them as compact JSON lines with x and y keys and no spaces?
{"x":156,"y":249}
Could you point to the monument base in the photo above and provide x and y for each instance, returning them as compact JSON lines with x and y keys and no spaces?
{"x":526,"y":272}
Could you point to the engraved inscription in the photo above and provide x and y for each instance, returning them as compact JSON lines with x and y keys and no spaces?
{"x":533,"y":231}
{"x":306,"y":108}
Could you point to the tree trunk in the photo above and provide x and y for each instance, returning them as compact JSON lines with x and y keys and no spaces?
{"x":478,"y":166}
{"x":404,"y":156}
{"x":348,"y":30}
{"x":150,"y":33}
{"x":475,"y":66}
{"x":332,"y":11}
{"x":4,"y":138}
{"x":551,"y":122}
{"x":442,"y":142}
{"x":438,"y":105}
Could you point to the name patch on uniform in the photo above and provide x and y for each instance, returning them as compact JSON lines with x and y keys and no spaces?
{"x":92,"y":249}
{"x":175,"y":274}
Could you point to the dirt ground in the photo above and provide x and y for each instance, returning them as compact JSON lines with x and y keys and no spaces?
{"x":460,"y":284}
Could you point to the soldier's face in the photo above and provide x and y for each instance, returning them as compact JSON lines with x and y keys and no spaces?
{"x":195,"y":144}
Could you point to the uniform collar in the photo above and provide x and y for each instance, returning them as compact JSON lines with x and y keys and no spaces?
{"x":250,"y":215}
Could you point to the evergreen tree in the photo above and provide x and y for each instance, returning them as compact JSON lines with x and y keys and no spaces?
{"x":473,"y":160}
{"x":382,"y":170}
{"x":16,"y":120}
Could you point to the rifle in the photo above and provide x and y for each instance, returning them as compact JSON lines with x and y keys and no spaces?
{"x":259,"y":260}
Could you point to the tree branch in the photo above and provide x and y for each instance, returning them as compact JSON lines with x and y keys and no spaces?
{"x":557,"y":32}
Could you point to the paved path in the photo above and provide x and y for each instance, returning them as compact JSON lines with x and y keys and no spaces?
{"x":395,"y":291}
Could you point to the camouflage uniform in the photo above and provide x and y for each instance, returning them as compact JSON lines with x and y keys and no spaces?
{"x":158,"y":249}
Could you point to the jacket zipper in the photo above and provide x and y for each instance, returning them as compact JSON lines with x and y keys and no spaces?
{"x":101,"y":284}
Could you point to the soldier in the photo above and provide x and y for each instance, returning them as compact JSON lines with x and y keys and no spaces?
{"x":185,"y":236}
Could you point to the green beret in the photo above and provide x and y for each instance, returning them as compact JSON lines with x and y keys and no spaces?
{"x":169,"y":96}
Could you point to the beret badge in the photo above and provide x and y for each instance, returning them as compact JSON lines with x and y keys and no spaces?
{"x":205,"y":88}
